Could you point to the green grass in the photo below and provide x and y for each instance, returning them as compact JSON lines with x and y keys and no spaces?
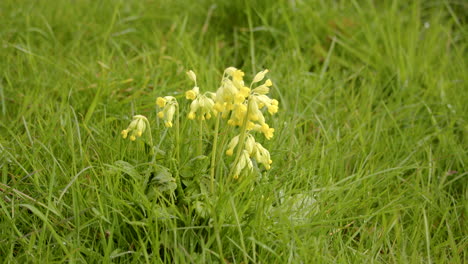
{"x":370,"y":148}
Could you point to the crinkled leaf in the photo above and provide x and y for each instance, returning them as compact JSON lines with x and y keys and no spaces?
{"x":201,"y":209}
{"x":163,"y":180}
{"x":125,"y":167}
{"x":199,"y":165}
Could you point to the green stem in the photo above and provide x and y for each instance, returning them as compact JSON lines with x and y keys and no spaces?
{"x":150,"y":138}
{"x":213,"y":152}
{"x":180,"y":191}
{"x":200,"y":138}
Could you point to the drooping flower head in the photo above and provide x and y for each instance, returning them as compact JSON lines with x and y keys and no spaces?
{"x":244,"y":162}
{"x":136,"y":128}
{"x":168,"y":105}
{"x":250,"y":150}
{"x":202,"y":104}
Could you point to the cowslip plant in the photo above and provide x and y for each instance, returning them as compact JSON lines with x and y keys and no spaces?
{"x":235,"y":112}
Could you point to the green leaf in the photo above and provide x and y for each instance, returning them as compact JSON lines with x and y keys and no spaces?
{"x":163,"y":180}
{"x":127,"y":168}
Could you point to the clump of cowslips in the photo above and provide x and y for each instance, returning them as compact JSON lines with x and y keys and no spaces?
{"x":244,"y":107}
{"x":235,"y":104}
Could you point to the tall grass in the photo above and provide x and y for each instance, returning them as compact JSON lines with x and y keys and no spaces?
{"x":370,"y":148}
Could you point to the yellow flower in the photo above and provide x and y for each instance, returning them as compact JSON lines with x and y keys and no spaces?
{"x":161,"y":102}
{"x":168,"y":111}
{"x":239,"y":98}
{"x":239,"y":111}
{"x":262,"y":156}
{"x":191,"y":115}
{"x":192,"y":94}
{"x":229,"y":152}
{"x":137,"y":127}
{"x":250,"y":125}
{"x":124,"y":133}
{"x":244,"y":161}
{"x":218,"y":107}
{"x":202,"y":104}
{"x":272,"y":109}
{"x":268,"y":83}
{"x":238,"y":75}
{"x":232,"y":145}
{"x":244,"y":91}
{"x":267,"y":131}
{"x":250,"y":144}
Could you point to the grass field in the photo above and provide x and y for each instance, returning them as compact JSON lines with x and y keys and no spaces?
{"x":369,"y":152}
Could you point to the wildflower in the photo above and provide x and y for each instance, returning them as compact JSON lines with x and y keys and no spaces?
{"x":264,"y":88}
{"x":244,"y":161}
{"x":136,"y":128}
{"x":201,"y":105}
{"x":161,"y":102}
{"x":192,"y":94}
{"x":237,"y":75}
{"x":267,"y":131}
{"x":168,"y":105}
{"x":250,"y":145}
{"x":251,"y":149}
{"x":273,"y":108}
{"x":263,"y":100}
{"x":232,"y":145}
{"x":262,"y":155}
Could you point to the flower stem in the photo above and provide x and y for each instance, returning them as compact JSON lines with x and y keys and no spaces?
{"x":200,"y":138}
{"x":213,"y":152}
{"x":150,"y":138}
{"x":180,"y":191}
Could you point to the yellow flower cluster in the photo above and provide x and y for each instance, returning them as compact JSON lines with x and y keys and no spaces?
{"x":202,"y":105}
{"x":242,"y":104}
{"x":136,"y":128}
{"x":251,"y":149}
{"x":168,"y":105}
{"x":233,"y":99}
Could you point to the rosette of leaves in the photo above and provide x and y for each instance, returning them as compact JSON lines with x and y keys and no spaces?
{"x":196,"y":179}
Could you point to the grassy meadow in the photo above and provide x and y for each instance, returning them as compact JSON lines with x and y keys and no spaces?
{"x":369,"y":152}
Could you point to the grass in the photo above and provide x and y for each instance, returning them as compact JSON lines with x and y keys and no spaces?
{"x":370,"y":148}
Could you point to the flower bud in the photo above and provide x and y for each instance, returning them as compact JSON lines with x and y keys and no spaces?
{"x":259,"y":76}
{"x":192,"y":76}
